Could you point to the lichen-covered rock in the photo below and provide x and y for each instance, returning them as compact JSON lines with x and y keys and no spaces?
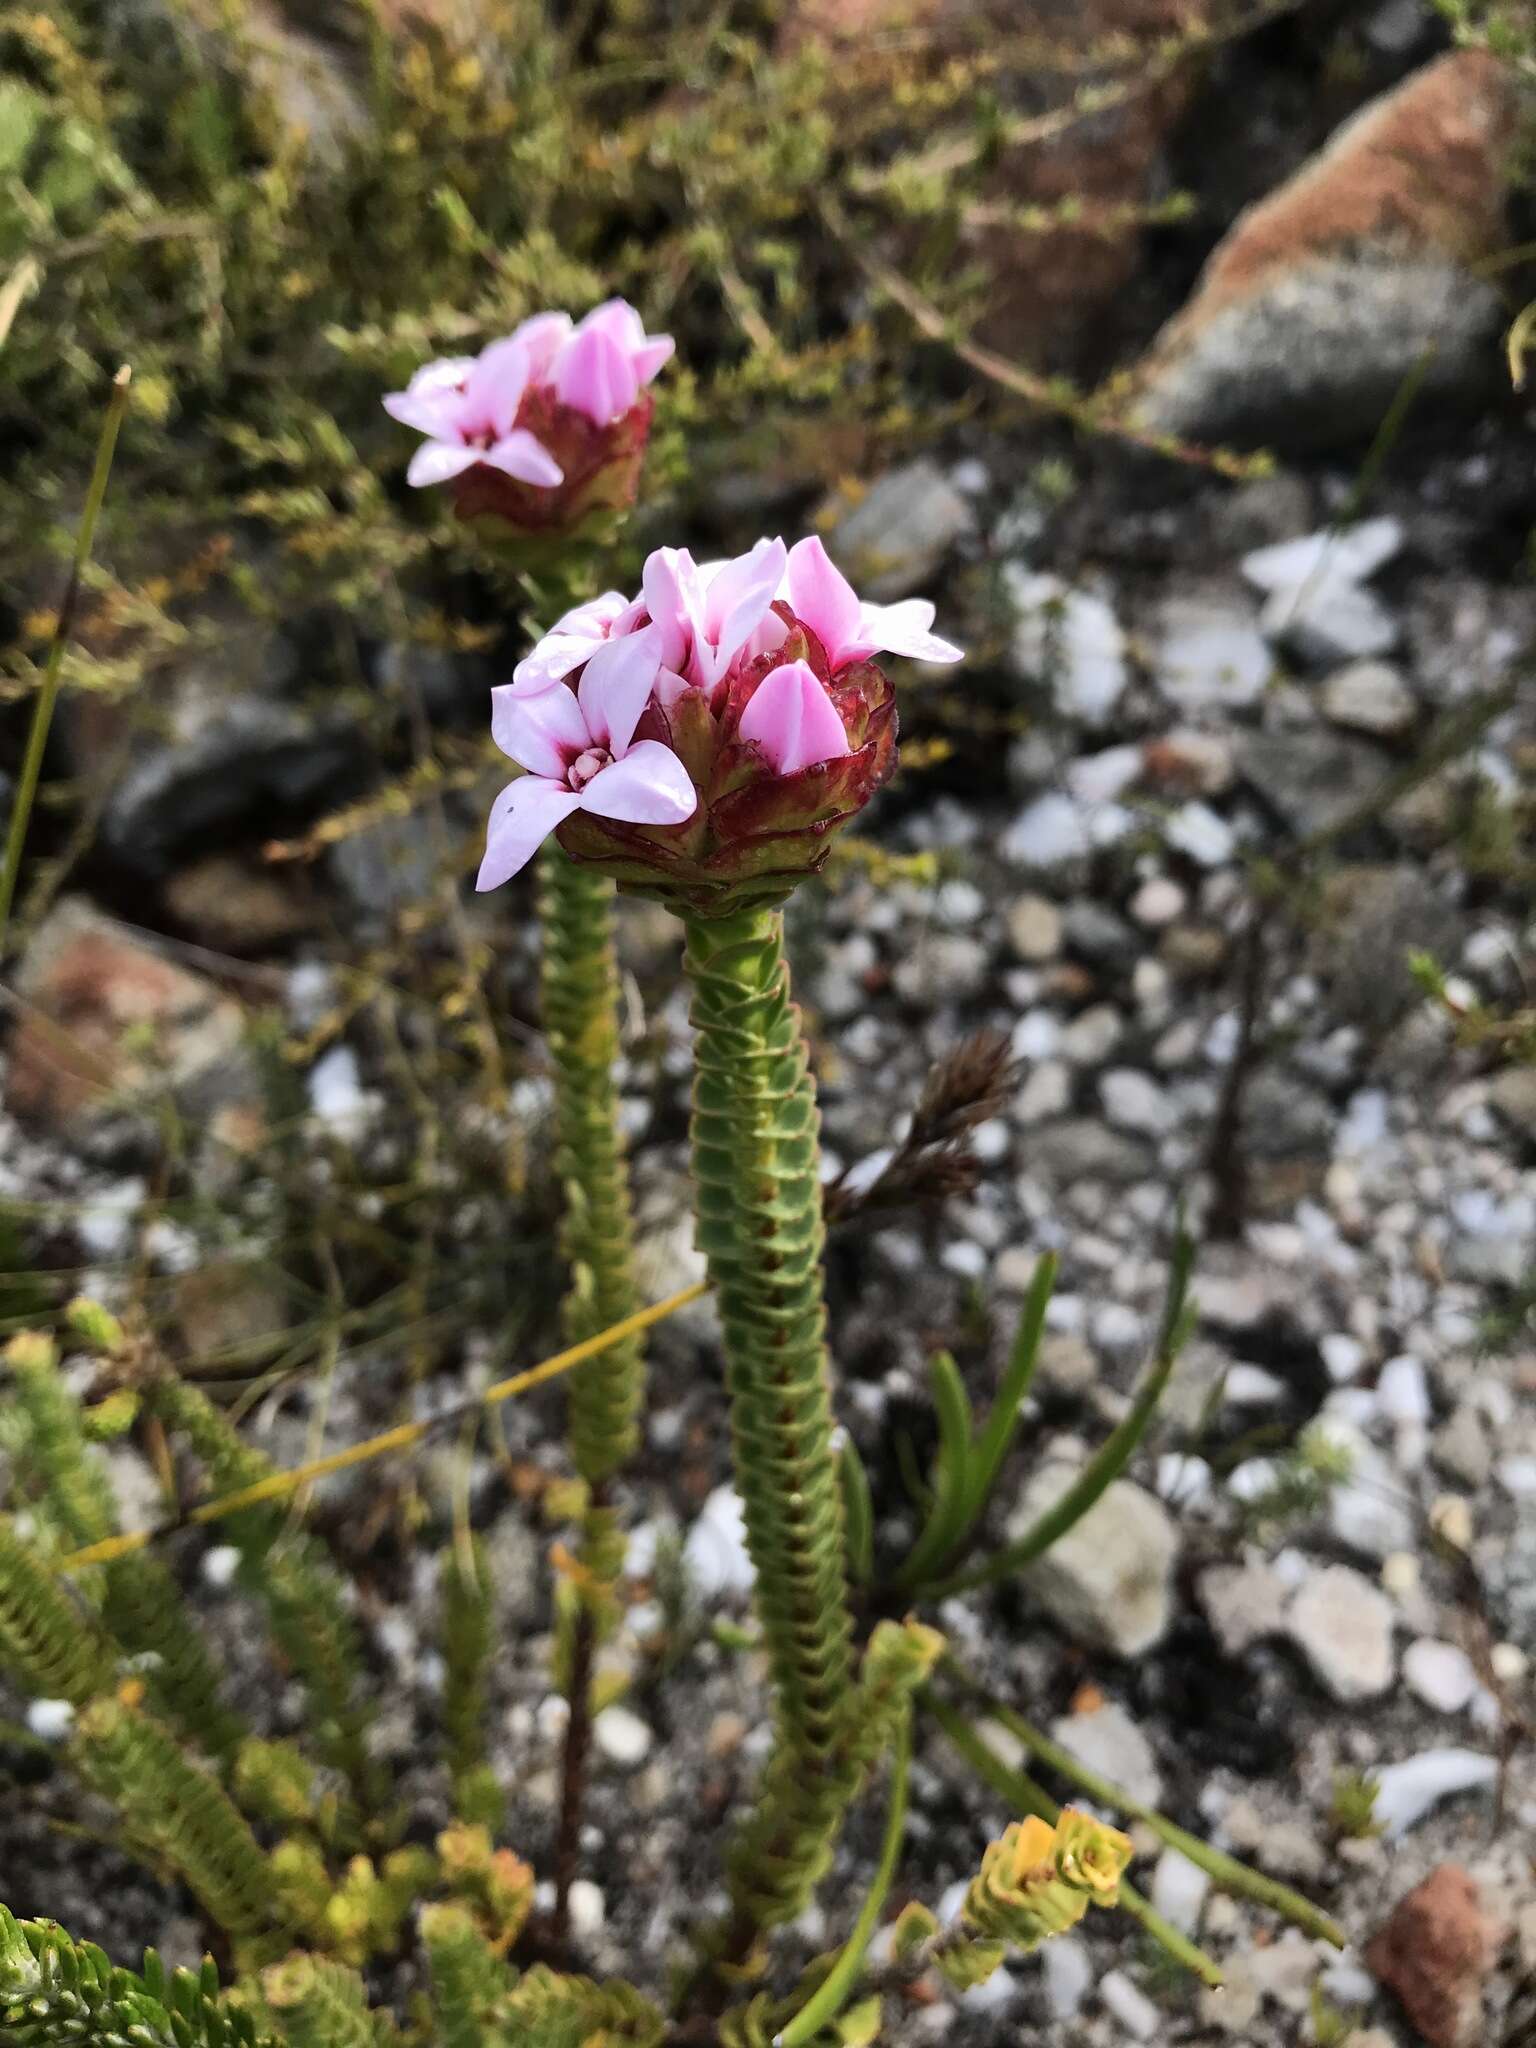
{"x":1325,"y":295}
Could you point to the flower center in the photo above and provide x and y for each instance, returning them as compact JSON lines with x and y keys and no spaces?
{"x":585,"y":766}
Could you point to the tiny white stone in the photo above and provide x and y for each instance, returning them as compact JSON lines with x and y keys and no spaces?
{"x":1072,"y":637}
{"x":1131,"y":2007}
{"x":50,"y":1720}
{"x":589,"y":1908}
{"x":1441,"y":1674}
{"x":1402,"y":1391}
{"x":1343,"y":1355}
{"x":336,"y":1094}
{"x":1406,"y":1791}
{"x":1068,"y":1971}
{"x":1158,"y":902}
{"x":1250,"y":1386}
{"x":1517,"y":1476}
{"x":1178,"y":1890}
{"x":1183,"y":1481}
{"x":1196,"y":829}
{"x":622,"y":1736}
{"x":220,"y":1565}
{"x":715,"y":1552}
{"x":1101,"y":778}
{"x":1342,"y":1625}
{"x":1349,"y":553}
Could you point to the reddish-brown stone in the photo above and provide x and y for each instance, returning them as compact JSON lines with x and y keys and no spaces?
{"x":1435,"y":1952}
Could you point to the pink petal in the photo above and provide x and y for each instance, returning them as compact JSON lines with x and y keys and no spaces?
{"x":669,"y":586}
{"x":903,"y":629}
{"x":650,"y":786}
{"x":522,"y":817}
{"x":435,"y":461}
{"x":616,"y":686}
{"x":821,"y":595}
{"x":542,"y":732}
{"x":593,"y":376}
{"x":521,"y":455}
{"x":595,"y":615}
{"x":542,"y":335}
{"x":496,"y":386}
{"x":649,"y":359}
{"x":668,"y":687}
{"x":735,"y":602}
{"x":793,"y":720}
{"x":617,"y":319}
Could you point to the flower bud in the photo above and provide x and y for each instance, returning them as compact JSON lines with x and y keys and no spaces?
{"x":542,"y":435}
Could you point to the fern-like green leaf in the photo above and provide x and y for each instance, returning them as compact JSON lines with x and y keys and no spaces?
{"x":46,"y":1640}
{"x":173,"y":1809}
{"x":59,"y":1993}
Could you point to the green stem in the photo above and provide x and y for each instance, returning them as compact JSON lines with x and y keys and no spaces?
{"x":580,"y":986}
{"x":1225,"y":1870}
{"x":47,"y":696}
{"x":1022,"y":1792}
{"x":832,"y":1994}
{"x":756,"y":1173}
{"x":580,"y":976}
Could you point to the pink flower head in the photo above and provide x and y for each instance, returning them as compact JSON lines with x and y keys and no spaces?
{"x":542,"y":427}
{"x":580,"y":753}
{"x":746,"y":682}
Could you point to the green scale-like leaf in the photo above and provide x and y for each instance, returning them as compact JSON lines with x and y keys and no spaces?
{"x":756,"y":1167}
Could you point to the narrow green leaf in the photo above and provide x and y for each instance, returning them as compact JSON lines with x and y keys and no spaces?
{"x":1007,"y":1409}
{"x":1115,"y":1453}
{"x":858,"y":1511}
{"x":946,"y":1515}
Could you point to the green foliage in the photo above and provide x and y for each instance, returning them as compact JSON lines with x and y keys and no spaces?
{"x":175,"y":1811}
{"x":969,"y":1460}
{"x":468,"y":1614}
{"x":1352,"y":1808}
{"x":471,"y":1983}
{"x":59,"y":1993}
{"x":1303,"y":1482}
{"x":46,"y":1641}
{"x":289,"y":1572}
{"x":320,"y":2004}
{"x":547,"y":2010}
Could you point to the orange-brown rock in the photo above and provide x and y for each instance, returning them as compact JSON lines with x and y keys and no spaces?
{"x":106,"y":1025}
{"x":1325,"y":295}
{"x":1435,"y":1952}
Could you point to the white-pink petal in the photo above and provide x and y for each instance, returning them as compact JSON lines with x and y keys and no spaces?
{"x":793,"y":720}
{"x":522,"y":817}
{"x":522,"y":455}
{"x":495,"y":386}
{"x":616,"y":686}
{"x":904,"y":629}
{"x":435,"y":461}
{"x":543,"y":732}
{"x":429,"y":412}
{"x":542,"y":336}
{"x":650,"y":786}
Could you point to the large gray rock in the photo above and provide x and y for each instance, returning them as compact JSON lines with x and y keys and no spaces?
{"x":1109,"y":1580}
{"x":1314,"y":780}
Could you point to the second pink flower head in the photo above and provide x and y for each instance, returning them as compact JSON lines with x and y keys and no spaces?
{"x":543,"y":428}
